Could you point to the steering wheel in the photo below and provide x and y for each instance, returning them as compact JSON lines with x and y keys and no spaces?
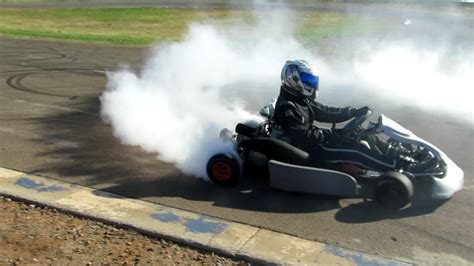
{"x":356,"y":122}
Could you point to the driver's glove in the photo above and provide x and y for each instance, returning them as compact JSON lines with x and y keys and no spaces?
{"x":355,"y":112}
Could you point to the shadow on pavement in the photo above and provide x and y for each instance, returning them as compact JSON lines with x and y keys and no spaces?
{"x":371,"y":211}
{"x":251,"y":194}
{"x":83,"y":149}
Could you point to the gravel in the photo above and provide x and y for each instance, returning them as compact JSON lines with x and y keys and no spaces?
{"x":31,"y":234}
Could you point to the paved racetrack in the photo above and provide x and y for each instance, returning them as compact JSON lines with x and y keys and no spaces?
{"x":50,"y":125}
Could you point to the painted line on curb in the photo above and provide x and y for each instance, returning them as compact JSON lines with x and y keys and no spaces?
{"x":194,"y":229}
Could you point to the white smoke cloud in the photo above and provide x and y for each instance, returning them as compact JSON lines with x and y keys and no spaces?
{"x":420,"y":77}
{"x":189,"y":90}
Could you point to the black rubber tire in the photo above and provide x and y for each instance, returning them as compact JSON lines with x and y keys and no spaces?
{"x":223,"y":170}
{"x":394,"y":190}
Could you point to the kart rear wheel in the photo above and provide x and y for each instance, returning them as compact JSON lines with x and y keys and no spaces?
{"x":394,"y":190}
{"x":223,"y":170}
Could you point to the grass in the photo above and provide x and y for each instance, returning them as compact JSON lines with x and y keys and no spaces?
{"x":114,"y":25}
{"x":117,"y":39}
{"x":142,"y":26}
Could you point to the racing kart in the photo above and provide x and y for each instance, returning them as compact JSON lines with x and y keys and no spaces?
{"x":262,"y":144}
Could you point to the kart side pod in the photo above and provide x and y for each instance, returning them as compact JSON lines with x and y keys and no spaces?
{"x":313,"y":180}
{"x":392,"y":189}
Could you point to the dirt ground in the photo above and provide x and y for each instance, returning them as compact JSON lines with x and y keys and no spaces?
{"x":37,"y":235}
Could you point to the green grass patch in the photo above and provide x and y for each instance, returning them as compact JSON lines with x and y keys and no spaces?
{"x":116,"y":39}
{"x":144,"y":25}
{"x":115,"y":25}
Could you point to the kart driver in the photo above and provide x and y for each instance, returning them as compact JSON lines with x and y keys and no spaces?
{"x":296,"y":110}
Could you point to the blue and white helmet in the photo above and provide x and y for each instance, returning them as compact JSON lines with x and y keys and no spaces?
{"x":298,"y":78}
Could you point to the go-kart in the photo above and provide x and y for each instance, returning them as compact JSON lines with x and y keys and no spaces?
{"x":262,"y":144}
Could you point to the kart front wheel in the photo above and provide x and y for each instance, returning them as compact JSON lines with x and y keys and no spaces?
{"x":394,"y":190}
{"x":223,"y":170}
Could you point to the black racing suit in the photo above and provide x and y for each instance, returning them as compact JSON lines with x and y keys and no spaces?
{"x":296,"y":115}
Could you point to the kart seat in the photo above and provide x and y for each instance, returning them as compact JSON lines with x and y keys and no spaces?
{"x":276,"y":149}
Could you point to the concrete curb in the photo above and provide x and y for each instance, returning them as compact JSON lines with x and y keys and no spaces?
{"x":230,"y":238}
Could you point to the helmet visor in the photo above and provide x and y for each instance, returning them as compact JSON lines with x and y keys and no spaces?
{"x":310,"y":80}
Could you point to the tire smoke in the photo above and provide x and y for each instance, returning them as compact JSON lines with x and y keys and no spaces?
{"x":408,"y":75}
{"x":188,"y":91}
